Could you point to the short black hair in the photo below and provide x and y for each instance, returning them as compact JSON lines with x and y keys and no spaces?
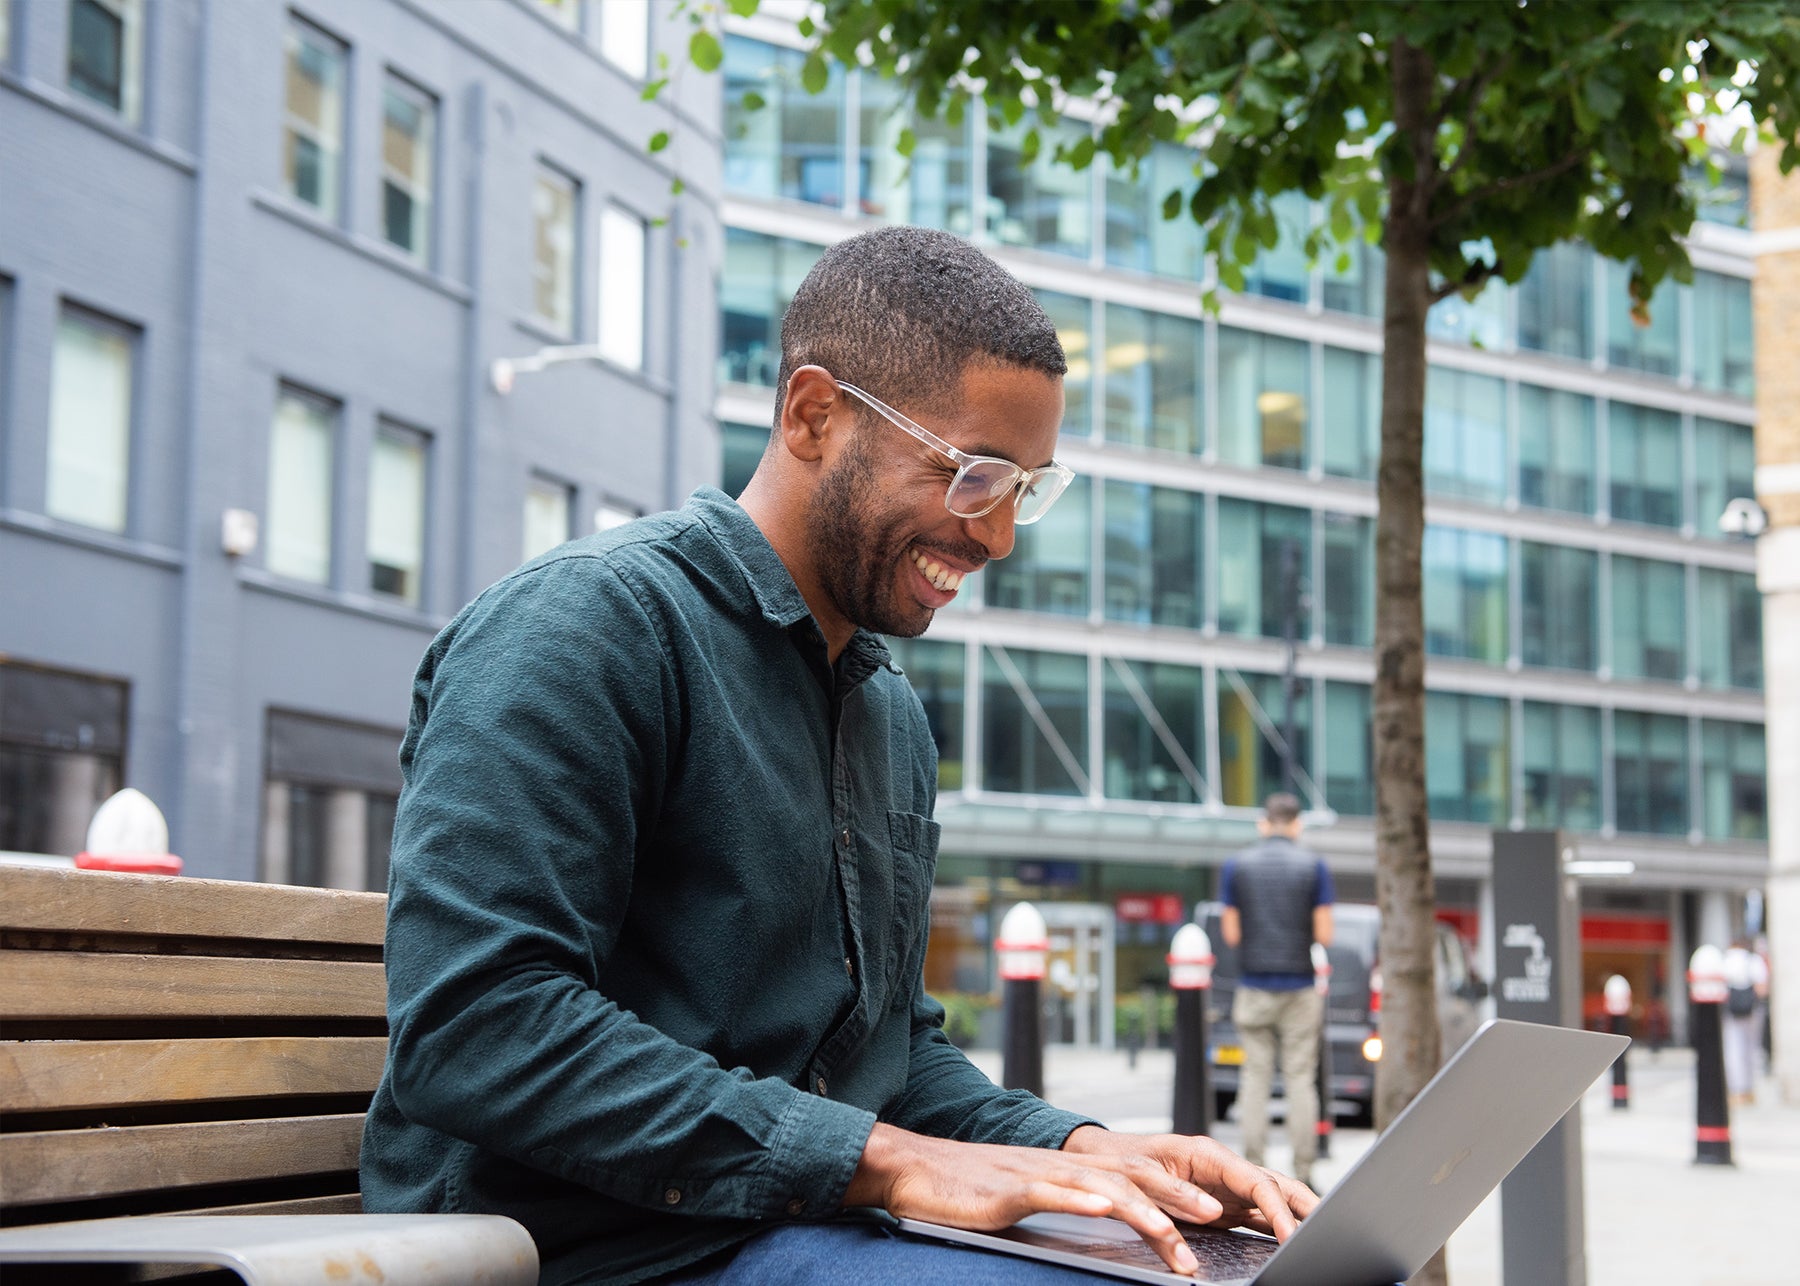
{"x":1281,"y":808}
{"x":903,"y":311}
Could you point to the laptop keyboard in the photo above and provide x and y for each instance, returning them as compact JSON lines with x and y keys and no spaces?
{"x":1223,"y":1256}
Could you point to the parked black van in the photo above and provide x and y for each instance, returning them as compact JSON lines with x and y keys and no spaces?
{"x":1351,"y":1013}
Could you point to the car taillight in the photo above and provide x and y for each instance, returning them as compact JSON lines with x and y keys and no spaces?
{"x":1375,"y":989}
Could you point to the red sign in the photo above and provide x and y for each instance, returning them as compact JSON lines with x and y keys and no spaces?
{"x":1154,"y":908}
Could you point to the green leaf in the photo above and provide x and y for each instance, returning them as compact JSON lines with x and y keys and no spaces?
{"x":677,"y":187}
{"x":1603,"y":98}
{"x":654,"y":88}
{"x":906,"y":142}
{"x":659,"y":140}
{"x":814,"y":74}
{"x":752,"y":101}
{"x":1029,"y":146}
{"x":705,"y":51}
{"x":744,"y":8}
{"x":806,"y":27}
{"x":1172,"y":204}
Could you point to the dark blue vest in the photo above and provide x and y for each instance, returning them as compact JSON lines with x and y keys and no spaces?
{"x":1276,"y":885}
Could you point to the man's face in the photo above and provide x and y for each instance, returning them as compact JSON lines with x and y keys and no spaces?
{"x":888,"y":552}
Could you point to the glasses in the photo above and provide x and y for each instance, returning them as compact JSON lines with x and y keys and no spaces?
{"x":983,"y":481}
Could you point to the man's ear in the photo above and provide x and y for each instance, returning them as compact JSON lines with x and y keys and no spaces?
{"x":806,"y":412}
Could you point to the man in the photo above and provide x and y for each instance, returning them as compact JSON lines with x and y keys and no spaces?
{"x":1746,"y":998}
{"x":1278,"y":899}
{"x":661,"y":864}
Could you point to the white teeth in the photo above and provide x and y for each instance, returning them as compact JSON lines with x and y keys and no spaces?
{"x":941,"y":577}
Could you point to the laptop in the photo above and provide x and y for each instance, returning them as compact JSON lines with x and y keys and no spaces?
{"x":1471,"y":1124}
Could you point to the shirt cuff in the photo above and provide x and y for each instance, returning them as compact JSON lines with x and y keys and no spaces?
{"x":815,"y":1152}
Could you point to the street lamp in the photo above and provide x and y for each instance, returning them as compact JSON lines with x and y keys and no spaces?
{"x":505,"y":370}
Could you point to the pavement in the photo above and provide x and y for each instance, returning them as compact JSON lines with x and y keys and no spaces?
{"x":1653,"y":1217}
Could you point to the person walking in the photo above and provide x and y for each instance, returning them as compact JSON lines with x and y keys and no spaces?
{"x":1278,"y":899}
{"x":1746,"y":993}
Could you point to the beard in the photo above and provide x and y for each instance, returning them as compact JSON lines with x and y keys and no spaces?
{"x":857,"y":546}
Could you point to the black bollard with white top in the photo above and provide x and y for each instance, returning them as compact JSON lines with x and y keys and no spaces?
{"x":1190,"y":961}
{"x":1706,"y":1032}
{"x":1024,"y":951}
{"x":1617,"y":996}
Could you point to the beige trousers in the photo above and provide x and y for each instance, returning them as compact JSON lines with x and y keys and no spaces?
{"x":1292,"y":1019}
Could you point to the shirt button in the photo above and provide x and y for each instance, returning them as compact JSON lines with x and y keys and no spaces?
{"x":819,"y":1084}
{"x":848,"y":967}
{"x":672,"y":1197}
{"x":796,"y":1207}
{"x":844,"y":837}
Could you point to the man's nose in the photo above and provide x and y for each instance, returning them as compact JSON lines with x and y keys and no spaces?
{"x":994,"y":529}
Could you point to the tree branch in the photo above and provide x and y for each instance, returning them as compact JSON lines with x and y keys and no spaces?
{"x":1477,"y":274}
{"x":1507,"y":184}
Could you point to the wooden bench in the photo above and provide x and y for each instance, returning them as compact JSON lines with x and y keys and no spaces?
{"x":178,"y":1046}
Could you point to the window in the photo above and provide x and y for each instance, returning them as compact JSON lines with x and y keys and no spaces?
{"x":313,"y":124}
{"x":1465,"y":435}
{"x":1559,"y":605}
{"x":621,"y":291}
{"x":1265,"y":390}
{"x":1155,"y":732}
{"x":1562,"y":766}
{"x":1073,"y":318}
{"x":106,"y":54}
{"x":1649,"y":619}
{"x":1726,"y":203}
{"x":1349,"y":749}
{"x":1034,"y":721}
{"x":1556,"y":449}
{"x":90,"y":421}
{"x":1724,"y":469}
{"x":1039,"y":204}
{"x":1355,"y":277}
{"x":761,"y":275}
{"x":1465,"y":594}
{"x":62,"y":755}
{"x":397,"y":499}
{"x":614,"y":513}
{"x":1349,"y":576}
{"x":1252,"y":730}
{"x":555,"y":203}
{"x":1556,"y":302}
{"x":742,"y":450}
{"x":1730,"y":618}
{"x":329,"y":794}
{"x":1281,"y":272}
{"x":625,"y":36}
{"x":780,"y":141}
{"x":549,"y":509}
{"x":1650,"y":772}
{"x":1048,"y":568}
{"x":1350,"y":416}
{"x":301,"y":450}
{"x":1155,"y":565}
{"x":1153,"y":365}
{"x":935,"y":671}
{"x":1467,"y":741}
{"x":1479,"y":323}
{"x":1653,"y":347}
{"x":1137,"y":235}
{"x":1644,"y":458}
{"x":1264,"y":563}
{"x":1724,"y":339}
{"x":1734,"y":782}
{"x":933,"y":186}
{"x":408,"y":145}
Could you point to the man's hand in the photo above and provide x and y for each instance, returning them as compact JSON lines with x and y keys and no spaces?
{"x":1139,"y":1179}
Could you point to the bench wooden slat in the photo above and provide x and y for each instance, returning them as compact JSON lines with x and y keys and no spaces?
{"x":82,"y":984}
{"x":61,"y":900}
{"x":57,"y":1075}
{"x":65,"y":1165}
{"x":350,"y":1203}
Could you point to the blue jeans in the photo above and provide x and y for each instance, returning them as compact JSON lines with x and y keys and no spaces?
{"x":854,"y":1254}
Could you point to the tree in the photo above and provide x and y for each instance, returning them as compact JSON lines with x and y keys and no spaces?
{"x":1465,"y":137}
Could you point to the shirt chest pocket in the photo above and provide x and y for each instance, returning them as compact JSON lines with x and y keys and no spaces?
{"x":913,"y":844}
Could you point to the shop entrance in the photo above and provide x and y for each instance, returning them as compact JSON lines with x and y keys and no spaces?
{"x":1078,"y":992}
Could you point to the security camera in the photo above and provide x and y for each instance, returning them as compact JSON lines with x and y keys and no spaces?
{"x":1743,"y":517}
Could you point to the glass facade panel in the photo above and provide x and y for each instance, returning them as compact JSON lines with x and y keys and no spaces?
{"x":62,"y":754}
{"x":1654,"y":348}
{"x":1281,"y":273}
{"x":743,"y":450}
{"x":1730,"y":619}
{"x":1017,"y":754}
{"x":1349,"y":749}
{"x":1265,"y":394}
{"x":1559,"y":599}
{"x":1644,"y":458}
{"x":1724,"y":469}
{"x":1478,"y":322}
{"x":89,"y":467}
{"x":1556,"y":308}
{"x":1349,"y":575}
{"x":1250,"y":759}
{"x":1556,"y":449}
{"x":313,"y":125}
{"x":1073,"y":317}
{"x":1465,"y":594}
{"x":1562,"y":766}
{"x":1047,"y":570}
{"x":1734,"y":779}
{"x":397,"y":506}
{"x":1043,"y":205}
{"x":549,"y":513}
{"x":761,"y":275}
{"x":932,"y":186}
{"x":1649,"y":619}
{"x":1155,"y":555}
{"x":1355,"y":277}
{"x":1137,"y":235}
{"x":408,"y":154}
{"x":555,"y":203}
{"x":1350,"y":414}
{"x":301,"y":448}
{"x":1149,"y":709}
{"x":1263,"y":560}
{"x":789,"y":147}
{"x":1724,"y":339}
{"x":1466,"y":758}
{"x":935,"y":670}
{"x":1465,"y":435}
{"x":1650,"y":772}
{"x":1153,"y":365}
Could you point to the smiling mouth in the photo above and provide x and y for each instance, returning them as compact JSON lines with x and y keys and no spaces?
{"x":941,"y":577}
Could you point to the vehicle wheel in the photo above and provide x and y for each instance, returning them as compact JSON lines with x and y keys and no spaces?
{"x":1222,"y":1101}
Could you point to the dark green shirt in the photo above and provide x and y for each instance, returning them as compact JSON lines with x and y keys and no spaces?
{"x":659,"y":887}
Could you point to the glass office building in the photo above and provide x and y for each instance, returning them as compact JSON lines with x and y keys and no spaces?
{"x":1109,"y":702}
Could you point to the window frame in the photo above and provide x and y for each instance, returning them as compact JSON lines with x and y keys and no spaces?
{"x":395,"y":83}
{"x":132,"y":337}
{"x":131,"y":16}
{"x":299,"y":29}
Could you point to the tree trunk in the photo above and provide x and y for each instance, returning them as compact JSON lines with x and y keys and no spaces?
{"x":1403,"y":881}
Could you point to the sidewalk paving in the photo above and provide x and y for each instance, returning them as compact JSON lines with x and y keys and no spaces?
{"x":1653,"y":1217}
